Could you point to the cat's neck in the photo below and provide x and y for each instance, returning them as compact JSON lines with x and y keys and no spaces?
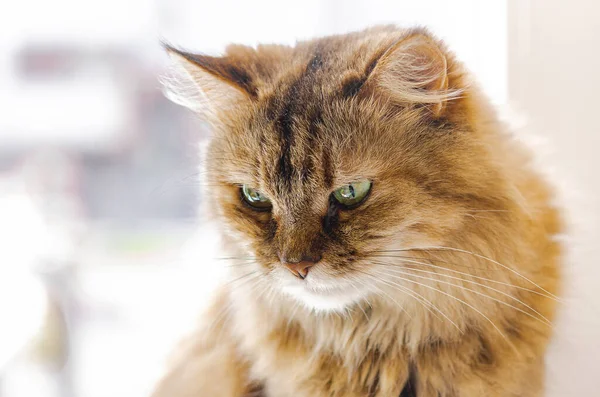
{"x":377,"y":325}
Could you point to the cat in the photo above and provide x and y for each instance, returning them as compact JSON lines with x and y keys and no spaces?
{"x":386,"y":234}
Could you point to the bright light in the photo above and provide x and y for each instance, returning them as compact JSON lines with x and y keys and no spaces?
{"x":23,"y":300}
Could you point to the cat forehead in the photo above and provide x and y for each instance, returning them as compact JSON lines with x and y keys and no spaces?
{"x":302,"y":138}
{"x":290,"y":155}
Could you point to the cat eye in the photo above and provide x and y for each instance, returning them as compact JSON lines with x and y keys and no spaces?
{"x":255,"y":199}
{"x":352,"y":194}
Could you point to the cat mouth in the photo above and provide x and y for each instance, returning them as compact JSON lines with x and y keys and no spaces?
{"x":324,"y":300}
{"x":321,"y":295}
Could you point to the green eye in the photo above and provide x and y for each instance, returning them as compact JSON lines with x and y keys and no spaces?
{"x":255,"y":199}
{"x":353,"y":194}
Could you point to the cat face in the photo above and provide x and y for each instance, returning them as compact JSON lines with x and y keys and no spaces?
{"x":328,"y":156}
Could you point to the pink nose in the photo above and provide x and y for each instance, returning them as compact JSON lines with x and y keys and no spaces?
{"x":299,"y":269}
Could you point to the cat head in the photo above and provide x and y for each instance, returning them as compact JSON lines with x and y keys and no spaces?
{"x":331,"y":154}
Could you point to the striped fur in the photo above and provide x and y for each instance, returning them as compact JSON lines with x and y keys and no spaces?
{"x":449,"y":183}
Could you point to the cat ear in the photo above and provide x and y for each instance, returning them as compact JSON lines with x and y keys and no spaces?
{"x":415,"y":69}
{"x":207,"y":84}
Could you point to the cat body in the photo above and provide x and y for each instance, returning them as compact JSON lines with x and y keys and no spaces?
{"x":439,"y":280}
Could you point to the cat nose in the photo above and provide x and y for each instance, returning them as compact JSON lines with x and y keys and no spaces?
{"x":300,"y":269}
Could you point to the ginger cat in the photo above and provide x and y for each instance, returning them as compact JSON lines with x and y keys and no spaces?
{"x":387,"y":235}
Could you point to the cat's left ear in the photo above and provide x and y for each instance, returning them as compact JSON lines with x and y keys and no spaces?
{"x":415,"y":70}
{"x":208,"y":85}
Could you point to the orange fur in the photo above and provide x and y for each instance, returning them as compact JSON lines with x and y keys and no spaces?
{"x":453,"y":255}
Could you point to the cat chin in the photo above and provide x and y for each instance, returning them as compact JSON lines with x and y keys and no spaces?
{"x":320,"y":292}
{"x":330,"y":301}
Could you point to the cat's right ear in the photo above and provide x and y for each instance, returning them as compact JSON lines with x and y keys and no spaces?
{"x":415,"y":69}
{"x":207,"y":85}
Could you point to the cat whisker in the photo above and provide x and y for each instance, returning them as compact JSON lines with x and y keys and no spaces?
{"x":352,"y":280}
{"x":478,"y":256}
{"x":408,"y":259}
{"x":377,"y":293}
{"x":230,"y":258}
{"x":455,"y":298}
{"x":244,"y":277}
{"x":543,"y":318}
{"x":257,"y":283}
{"x":385,"y":293}
{"x":420,"y":298}
{"x":262,"y":291}
{"x":223,"y":313}
{"x":432,"y":260}
{"x":265,"y":294}
{"x":242,"y":261}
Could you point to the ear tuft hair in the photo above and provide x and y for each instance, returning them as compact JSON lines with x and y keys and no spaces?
{"x":415,"y":69}
{"x":205,"y":84}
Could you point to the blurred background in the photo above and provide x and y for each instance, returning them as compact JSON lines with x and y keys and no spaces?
{"x":101,"y":245}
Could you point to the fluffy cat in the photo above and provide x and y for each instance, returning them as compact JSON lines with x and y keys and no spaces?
{"x":386,"y":234}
